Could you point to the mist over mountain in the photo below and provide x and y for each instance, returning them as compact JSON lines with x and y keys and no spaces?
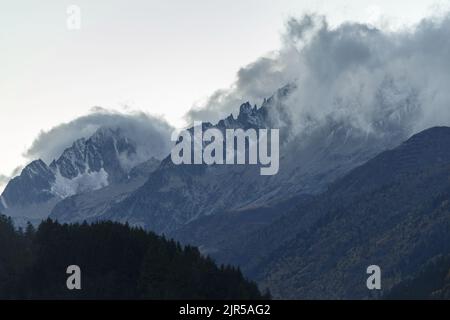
{"x":3,"y":179}
{"x":370,"y":79}
{"x":150,"y":135}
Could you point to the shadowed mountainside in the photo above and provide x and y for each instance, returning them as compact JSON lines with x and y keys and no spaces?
{"x":393,"y":211}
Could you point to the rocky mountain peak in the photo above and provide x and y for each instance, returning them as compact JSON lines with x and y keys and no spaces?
{"x":88,"y":164}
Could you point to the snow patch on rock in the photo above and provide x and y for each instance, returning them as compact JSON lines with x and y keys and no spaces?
{"x":88,"y":181}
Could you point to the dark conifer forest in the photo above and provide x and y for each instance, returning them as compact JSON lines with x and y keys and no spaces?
{"x":116,"y":261}
{"x":432,"y":282}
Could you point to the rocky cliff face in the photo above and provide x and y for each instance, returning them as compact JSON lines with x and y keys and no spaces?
{"x":104,"y":159}
{"x":175,"y":195}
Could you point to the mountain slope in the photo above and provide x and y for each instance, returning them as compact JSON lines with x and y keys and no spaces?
{"x":36,"y":180}
{"x":89,"y":205}
{"x":431,"y":282}
{"x":175,"y":196}
{"x":215,"y":234}
{"x":393,"y":211}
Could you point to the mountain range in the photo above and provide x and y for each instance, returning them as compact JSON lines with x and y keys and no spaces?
{"x":93,"y":179}
{"x":176,"y":195}
{"x":344,"y":198}
{"x":104,"y":160}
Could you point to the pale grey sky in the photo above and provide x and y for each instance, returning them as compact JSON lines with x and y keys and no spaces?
{"x":161,"y":57}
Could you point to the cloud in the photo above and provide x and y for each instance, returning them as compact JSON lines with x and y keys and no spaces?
{"x":371,"y":79}
{"x":258,"y":80}
{"x":252,"y":84}
{"x":151,"y":134}
{"x":3,"y":180}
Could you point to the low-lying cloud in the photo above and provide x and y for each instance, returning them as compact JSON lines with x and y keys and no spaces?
{"x":371,"y":79}
{"x":3,"y":180}
{"x":150,"y":134}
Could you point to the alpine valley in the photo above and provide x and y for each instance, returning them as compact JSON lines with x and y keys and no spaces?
{"x":343,"y":199}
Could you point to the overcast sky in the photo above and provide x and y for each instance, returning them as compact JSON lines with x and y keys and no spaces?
{"x":160,"y":57}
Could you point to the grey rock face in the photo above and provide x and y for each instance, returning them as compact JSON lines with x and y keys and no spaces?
{"x":102,"y":160}
{"x":90,"y":205}
{"x":175,"y":196}
{"x":32,"y":186}
{"x":101,"y":151}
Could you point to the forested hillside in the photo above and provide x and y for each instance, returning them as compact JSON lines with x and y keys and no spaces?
{"x":432,"y":282}
{"x":116,"y":261}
